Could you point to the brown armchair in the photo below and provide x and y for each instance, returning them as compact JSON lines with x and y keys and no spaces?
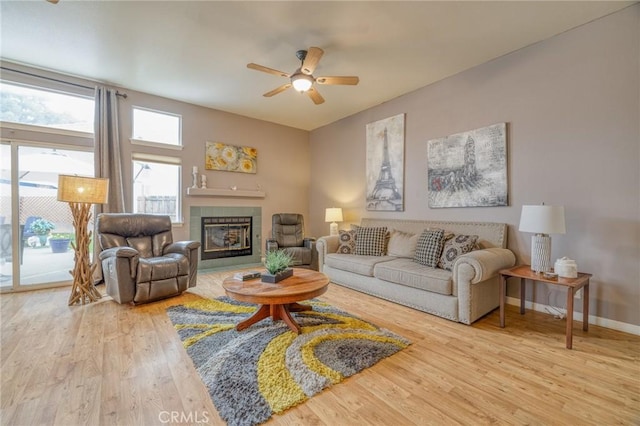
{"x":140,"y":262}
{"x":287,"y":233}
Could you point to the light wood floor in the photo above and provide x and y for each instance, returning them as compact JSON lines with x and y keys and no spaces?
{"x":109,"y":364}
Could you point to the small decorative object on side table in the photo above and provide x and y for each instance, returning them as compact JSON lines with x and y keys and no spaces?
{"x":524,"y":272}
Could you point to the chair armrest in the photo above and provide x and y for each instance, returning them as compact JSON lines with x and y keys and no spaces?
{"x":181,"y":247}
{"x":124,"y":254}
{"x":309,"y":242}
{"x":271,"y":244}
{"x":119,"y":252}
{"x":483,"y":264}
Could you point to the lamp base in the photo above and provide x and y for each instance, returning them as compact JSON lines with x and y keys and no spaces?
{"x":82,"y":290}
{"x":541,"y":253}
{"x":333,"y":228}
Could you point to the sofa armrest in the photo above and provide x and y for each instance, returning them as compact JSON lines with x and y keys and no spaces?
{"x":325,"y":245}
{"x":479,"y":265}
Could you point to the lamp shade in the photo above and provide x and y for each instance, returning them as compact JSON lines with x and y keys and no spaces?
{"x":333,"y":214}
{"x":81,"y":189}
{"x":542,"y":219}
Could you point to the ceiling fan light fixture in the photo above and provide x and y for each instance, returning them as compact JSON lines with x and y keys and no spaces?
{"x":301,"y":82}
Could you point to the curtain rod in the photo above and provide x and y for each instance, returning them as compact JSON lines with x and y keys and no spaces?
{"x":124,"y":95}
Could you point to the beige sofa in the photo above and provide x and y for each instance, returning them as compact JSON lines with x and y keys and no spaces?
{"x":464,"y":294}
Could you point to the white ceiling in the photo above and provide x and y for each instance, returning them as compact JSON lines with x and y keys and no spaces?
{"x":197,"y":52}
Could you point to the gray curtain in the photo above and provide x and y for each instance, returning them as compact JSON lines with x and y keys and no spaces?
{"x":108,"y":161}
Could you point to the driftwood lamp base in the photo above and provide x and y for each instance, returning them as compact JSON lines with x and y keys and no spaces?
{"x":82,"y":291}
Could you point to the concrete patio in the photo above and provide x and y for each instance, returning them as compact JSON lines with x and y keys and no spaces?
{"x":39,"y":266}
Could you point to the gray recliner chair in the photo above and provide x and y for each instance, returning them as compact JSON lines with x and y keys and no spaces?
{"x":140,"y":262}
{"x":287,"y":233}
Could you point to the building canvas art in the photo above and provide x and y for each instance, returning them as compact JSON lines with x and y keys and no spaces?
{"x":468,"y":169}
{"x":230,"y":158}
{"x":385,"y":164}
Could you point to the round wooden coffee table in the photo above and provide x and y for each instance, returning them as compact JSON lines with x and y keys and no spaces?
{"x":277,"y":300}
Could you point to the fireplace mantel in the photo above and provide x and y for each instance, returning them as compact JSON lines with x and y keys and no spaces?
{"x":217,"y":192}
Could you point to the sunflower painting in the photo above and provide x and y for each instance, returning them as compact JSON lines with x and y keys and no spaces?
{"x":230,"y":158}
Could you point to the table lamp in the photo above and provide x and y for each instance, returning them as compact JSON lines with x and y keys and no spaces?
{"x":333,"y":215}
{"x":542,"y":220}
{"x":81,"y":193}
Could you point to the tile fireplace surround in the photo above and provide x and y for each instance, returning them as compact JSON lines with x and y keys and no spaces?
{"x":195,"y":223}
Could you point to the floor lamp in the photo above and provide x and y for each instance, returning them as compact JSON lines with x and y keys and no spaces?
{"x":81,"y":193}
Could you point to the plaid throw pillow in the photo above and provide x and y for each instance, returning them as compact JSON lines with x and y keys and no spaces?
{"x":371,"y":241}
{"x":347,"y":242}
{"x":454,"y":247}
{"x":429,"y":247}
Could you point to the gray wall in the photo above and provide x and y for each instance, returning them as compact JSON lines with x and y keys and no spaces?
{"x":572,"y":108}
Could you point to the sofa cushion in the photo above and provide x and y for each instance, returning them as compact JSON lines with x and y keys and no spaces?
{"x":402,"y":244}
{"x":454,"y":247}
{"x":347,"y":242}
{"x":411,"y":274}
{"x":371,"y":241}
{"x":362,"y":265}
{"x":429,"y":247}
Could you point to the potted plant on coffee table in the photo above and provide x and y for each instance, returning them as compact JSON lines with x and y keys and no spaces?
{"x":277,"y":263}
{"x":41,"y":228}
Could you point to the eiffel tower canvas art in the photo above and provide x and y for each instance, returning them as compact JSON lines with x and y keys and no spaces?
{"x":385,"y":164}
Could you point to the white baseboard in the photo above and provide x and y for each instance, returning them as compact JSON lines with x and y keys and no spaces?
{"x":577,"y":316}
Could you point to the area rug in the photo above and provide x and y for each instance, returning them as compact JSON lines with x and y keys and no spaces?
{"x":267,"y":368}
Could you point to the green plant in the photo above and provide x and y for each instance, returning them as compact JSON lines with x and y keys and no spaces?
{"x":42,"y":227}
{"x":61,"y":237}
{"x":276,"y":261}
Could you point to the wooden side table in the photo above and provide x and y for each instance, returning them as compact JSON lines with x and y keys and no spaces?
{"x":524,"y":272}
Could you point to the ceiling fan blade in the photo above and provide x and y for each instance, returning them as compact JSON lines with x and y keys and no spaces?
{"x":277,"y":90}
{"x":352,"y":81}
{"x":315,"y":96}
{"x":267,"y":70}
{"x":311,"y":60}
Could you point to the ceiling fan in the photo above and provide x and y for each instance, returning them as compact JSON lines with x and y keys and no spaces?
{"x":302,"y":79}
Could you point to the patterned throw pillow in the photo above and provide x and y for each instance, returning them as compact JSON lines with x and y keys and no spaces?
{"x":347,"y":242}
{"x":454,"y":247}
{"x":371,"y":241}
{"x":429,"y":247}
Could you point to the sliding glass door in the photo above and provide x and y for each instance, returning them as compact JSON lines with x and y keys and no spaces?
{"x":37,"y":230}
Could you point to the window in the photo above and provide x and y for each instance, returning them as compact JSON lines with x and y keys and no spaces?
{"x":156,"y":126}
{"x":156,"y":185}
{"x":39,"y":107}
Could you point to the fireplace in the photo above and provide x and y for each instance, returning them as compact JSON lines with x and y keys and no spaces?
{"x":196,"y":233}
{"x":228,"y":236}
